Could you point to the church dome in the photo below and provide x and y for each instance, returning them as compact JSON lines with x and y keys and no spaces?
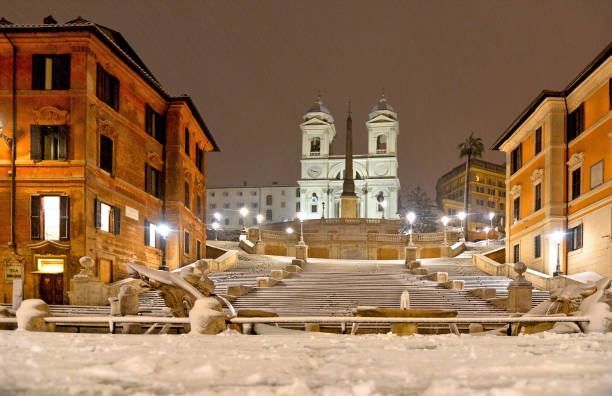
{"x":382,"y":105}
{"x":317,"y":110}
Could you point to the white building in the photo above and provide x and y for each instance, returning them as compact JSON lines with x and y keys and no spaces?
{"x":276,"y":203}
{"x":376,"y":182}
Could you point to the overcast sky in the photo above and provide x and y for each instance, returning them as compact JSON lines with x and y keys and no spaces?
{"x":254,"y":67}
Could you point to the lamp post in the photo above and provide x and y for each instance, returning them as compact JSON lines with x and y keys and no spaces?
{"x":444,"y":221}
{"x":323,"y":212}
{"x":163,"y":230}
{"x":487,"y":229}
{"x":215,"y":227}
{"x":491,"y":216}
{"x":300,"y":216}
{"x":259,"y":220}
{"x":411,"y":217}
{"x":289,"y":230}
{"x":557,"y":238}
{"x":243,"y":212}
{"x":383,"y":204}
{"x":462,"y":215}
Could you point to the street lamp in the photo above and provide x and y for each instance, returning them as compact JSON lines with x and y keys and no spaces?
{"x":557,"y":237}
{"x":411,"y":217}
{"x":259,"y":220}
{"x":487,"y":229}
{"x":215,"y":227}
{"x":461,"y":217}
{"x":289,"y":230}
{"x":444,"y":221}
{"x":163,"y":231}
{"x":491,"y":216}
{"x":301,"y":216}
{"x":217,"y":216}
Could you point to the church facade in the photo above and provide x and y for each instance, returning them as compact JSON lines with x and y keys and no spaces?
{"x":375,"y":173}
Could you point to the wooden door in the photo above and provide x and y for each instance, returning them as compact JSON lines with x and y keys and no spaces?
{"x":52,"y":288}
{"x":105,"y":271}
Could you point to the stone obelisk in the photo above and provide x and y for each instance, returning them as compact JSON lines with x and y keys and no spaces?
{"x":348,"y":199}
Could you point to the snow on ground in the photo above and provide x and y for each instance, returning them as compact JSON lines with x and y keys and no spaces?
{"x":319,"y":364}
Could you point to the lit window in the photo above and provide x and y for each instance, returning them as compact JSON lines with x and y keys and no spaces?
{"x":105,"y":218}
{"x":51,"y":211}
{"x":152,"y":231}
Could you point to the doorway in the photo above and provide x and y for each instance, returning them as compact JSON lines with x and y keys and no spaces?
{"x":105,"y":271}
{"x":52,"y":288}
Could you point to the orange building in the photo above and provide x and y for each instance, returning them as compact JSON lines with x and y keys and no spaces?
{"x":559,"y":176}
{"x":98,"y":156}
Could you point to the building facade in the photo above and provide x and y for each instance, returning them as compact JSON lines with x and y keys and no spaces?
{"x":487,"y":195}
{"x":276,"y":203}
{"x":559,"y":176}
{"x":99,"y":156}
{"x":322,"y":172}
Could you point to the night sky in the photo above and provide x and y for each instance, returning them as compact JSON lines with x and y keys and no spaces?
{"x":254,"y":67}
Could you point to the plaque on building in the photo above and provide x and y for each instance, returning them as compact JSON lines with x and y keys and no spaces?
{"x":131,"y":213}
{"x":13,"y":267}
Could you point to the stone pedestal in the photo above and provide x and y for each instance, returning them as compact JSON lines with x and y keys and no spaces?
{"x":411,"y":253}
{"x":87,"y":291}
{"x":445,"y":251}
{"x":404,"y":329}
{"x":519,"y":291}
{"x":260,"y":248}
{"x":301,"y":252}
{"x":348,"y":207}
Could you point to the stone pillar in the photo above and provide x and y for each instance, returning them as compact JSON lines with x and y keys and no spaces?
{"x":86,"y":289}
{"x":445,"y":251}
{"x":260,"y":248}
{"x":17,"y":293}
{"x":301,"y":252}
{"x":519,"y":291}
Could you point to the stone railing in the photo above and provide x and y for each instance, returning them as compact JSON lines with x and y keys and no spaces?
{"x":451,"y":237}
{"x":400,"y":238}
{"x":224,"y":262}
{"x":538,"y":279}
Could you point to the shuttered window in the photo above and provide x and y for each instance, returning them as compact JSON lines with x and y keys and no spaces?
{"x":516,"y":209}
{"x":107,"y":217}
{"x":538,"y":140}
{"x":187,"y":242}
{"x":537,"y":246}
{"x":200,"y":159}
{"x":106,"y":154}
{"x":155,"y":125}
{"x":576,"y":182}
{"x":538,"y":197}
{"x":516,"y":159}
{"x":187,"y":142}
{"x":51,"y":72}
{"x":107,"y":88}
{"x":575,"y":123}
{"x":199,"y":206}
{"x":574,"y":238}
{"x":187,"y":196}
{"x":48,"y":142}
{"x":199,"y":249}
{"x":153,"y":181}
{"x":49,"y":217}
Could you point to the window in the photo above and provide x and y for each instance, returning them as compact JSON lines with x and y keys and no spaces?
{"x":225,"y":194}
{"x":574,"y":238}
{"x":226,"y":205}
{"x":500,"y":183}
{"x":283,"y":204}
{"x":575,"y":123}
{"x":150,"y":234}
{"x":51,"y":72}
{"x":198,"y":249}
{"x":314,"y":208}
{"x":516,"y":250}
{"x":480,"y":189}
{"x":213,"y":206}
{"x":597,"y":173}
{"x":491,"y":204}
{"x":576,"y":176}
{"x":315,"y":146}
{"x":155,"y":124}
{"x":239,"y":193}
{"x":269,"y":215}
{"x":49,"y":217}
{"x":240,"y":205}
{"x":48,"y":142}
{"x":187,"y":142}
{"x":452,"y":212}
{"x":227,"y":220}
{"x":516,"y":209}
{"x":538,"y":197}
{"x":107,"y":88}
{"x":537,"y":246}
{"x":491,"y":191}
{"x":199,"y":207}
{"x":268,"y":200}
{"x":153,"y":181}
{"x":240,"y":221}
{"x":516,"y":159}
{"x":212,"y":194}
{"x":380,"y":207}
{"x":187,"y":196}
{"x":538,"y":141}
{"x":297,"y":193}
{"x":106,"y":154}
{"x":108,"y":218}
{"x":298,"y":207}
{"x":502,"y":194}
{"x":187,"y":242}
{"x":381,"y":144}
{"x":254,"y":193}
{"x":254,"y":205}
{"x":200,"y":159}
{"x":478,"y":202}
{"x":501,"y":206}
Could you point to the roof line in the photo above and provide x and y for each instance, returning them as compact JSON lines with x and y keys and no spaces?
{"x":583,"y":75}
{"x":198,"y":117}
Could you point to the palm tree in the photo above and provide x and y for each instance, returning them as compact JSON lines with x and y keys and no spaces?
{"x":470,"y":148}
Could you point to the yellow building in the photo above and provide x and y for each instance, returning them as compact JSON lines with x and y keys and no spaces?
{"x":487,"y":195}
{"x":559,"y":176}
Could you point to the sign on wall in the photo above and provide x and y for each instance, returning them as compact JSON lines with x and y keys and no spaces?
{"x":13,"y":267}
